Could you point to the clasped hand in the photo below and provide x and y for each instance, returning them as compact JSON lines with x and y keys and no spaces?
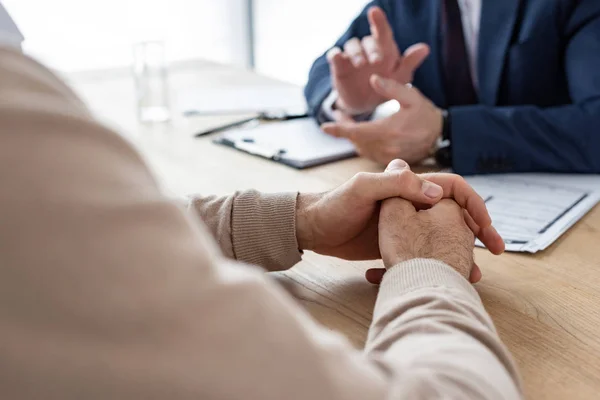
{"x":398,"y":215}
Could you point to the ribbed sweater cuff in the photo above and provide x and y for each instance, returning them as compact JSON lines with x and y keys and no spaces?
{"x":421,"y":273}
{"x":264,"y":230}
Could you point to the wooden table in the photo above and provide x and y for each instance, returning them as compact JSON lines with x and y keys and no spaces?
{"x":546,"y":306}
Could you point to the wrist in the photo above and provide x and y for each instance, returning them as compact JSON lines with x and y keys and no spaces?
{"x":442,"y":151}
{"x":438,"y":127}
{"x":304,"y":220}
{"x":340,"y":105}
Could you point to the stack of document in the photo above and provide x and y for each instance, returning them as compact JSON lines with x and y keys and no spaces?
{"x":531,"y":211}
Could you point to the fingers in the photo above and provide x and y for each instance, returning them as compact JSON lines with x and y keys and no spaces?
{"x":406,"y":95}
{"x":476,"y":274}
{"x":488,"y":236}
{"x":492,"y":240}
{"x":400,"y":209}
{"x":412,"y":59}
{"x":354,"y":51}
{"x":375,"y":275}
{"x":340,"y":129}
{"x":380,"y":27}
{"x":398,"y":181}
{"x":340,"y":64}
{"x":446,"y":209}
{"x":372,"y":50}
{"x":457,"y":188}
{"x":350,"y":129}
{"x":414,"y":56}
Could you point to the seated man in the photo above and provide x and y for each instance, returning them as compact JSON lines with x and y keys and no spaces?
{"x":111,"y":291}
{"x":500,"y":85}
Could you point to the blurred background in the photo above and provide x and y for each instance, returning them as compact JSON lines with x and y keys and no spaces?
{"x":277,"y":38}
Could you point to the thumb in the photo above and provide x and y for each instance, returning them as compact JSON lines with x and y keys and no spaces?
{"x":406,"y":95}
{"x":397,"y":165}
{"x":412,"y":59}
{"x":397,"y":181}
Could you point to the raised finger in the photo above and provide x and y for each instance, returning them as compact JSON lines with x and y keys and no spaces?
{"x":338,"y":62}
{"x":412,"y":59}
{"x":372,"y":50}
{"x":379,"y":25}
{"x":354,"y":52}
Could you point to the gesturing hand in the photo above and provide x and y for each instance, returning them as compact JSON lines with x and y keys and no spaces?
{"x":439,"y":233}
{"x":344,"y":222}
{"x":408,"y":134}
{"x":352,"y":67}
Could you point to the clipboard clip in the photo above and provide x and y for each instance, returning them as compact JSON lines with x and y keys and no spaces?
{"x":255,"y":149}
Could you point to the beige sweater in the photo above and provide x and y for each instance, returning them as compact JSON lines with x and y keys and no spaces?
{"x":110,"y":291}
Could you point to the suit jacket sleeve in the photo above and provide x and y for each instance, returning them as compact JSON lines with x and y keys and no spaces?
{"x":319,"y":79}
{"x":529,"y":138}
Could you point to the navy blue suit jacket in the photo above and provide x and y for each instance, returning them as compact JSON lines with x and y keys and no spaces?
{"x":539,"y":82}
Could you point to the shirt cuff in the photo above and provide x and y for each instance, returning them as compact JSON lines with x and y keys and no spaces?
{"x":417,"y":274}
{"x":325,"y":113}
{"x":264,"y":230}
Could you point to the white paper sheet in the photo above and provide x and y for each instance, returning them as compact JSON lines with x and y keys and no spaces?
{"x":299,"y":143}
{"x":531,"y":211}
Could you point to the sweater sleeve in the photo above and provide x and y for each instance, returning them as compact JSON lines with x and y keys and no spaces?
{"x":252,"y":227}
{"x":111,"y":291}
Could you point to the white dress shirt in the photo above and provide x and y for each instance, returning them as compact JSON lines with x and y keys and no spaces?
{"x":471,"y":18}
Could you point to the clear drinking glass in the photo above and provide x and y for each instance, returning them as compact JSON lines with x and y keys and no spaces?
{"x":151,"y":86}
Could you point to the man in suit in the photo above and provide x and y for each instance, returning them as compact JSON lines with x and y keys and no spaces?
{"x":499,"y":86}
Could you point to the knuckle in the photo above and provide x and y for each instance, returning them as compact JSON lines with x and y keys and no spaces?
{"x":360,"y":179}
{"x":405,"y":177}
{"x":351,"y":43}
{"x":459,"y":181}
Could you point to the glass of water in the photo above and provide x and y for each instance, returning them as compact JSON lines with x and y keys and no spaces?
{"x":151,"y":86}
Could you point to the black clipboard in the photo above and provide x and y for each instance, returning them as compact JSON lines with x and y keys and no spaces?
{"x":298,"y":143}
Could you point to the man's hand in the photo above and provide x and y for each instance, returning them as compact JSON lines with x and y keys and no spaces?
{"x":344,"y":222}
{"x":352,"y":67}
{"x":409,"y":134}
{"x":439,"y":233}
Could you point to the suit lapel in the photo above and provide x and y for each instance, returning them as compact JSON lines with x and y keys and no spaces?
{"x":498,"y":19}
